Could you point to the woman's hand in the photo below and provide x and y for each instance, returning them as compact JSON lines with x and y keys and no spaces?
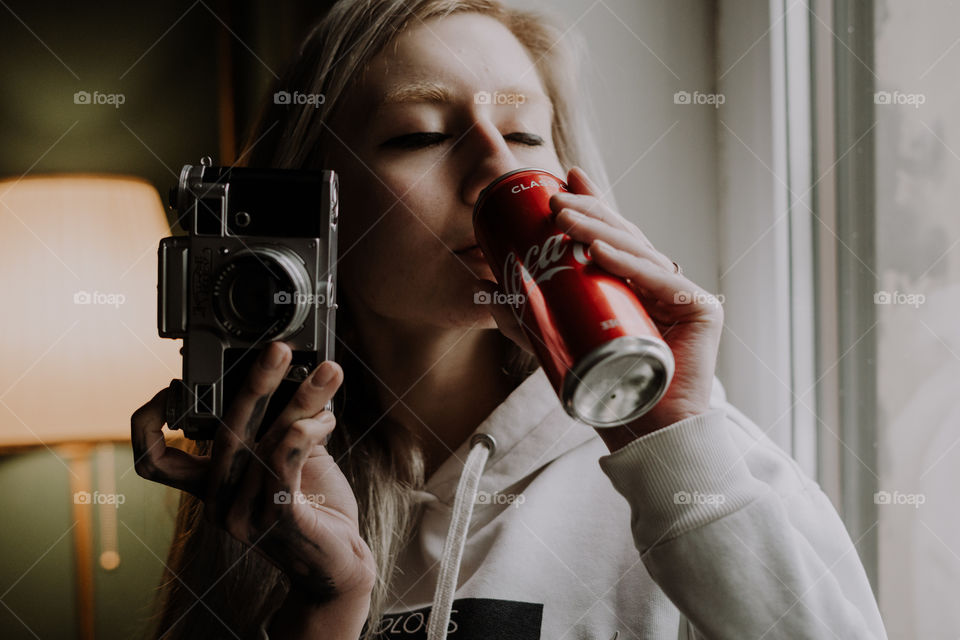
{"x":689,"y":318}
{"x":284,"y":495}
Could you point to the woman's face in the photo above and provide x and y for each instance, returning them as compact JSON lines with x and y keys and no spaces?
{"x":418,"y":143}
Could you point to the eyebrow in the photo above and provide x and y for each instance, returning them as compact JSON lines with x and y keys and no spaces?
{"x":418,"y":92}
{"x":433,"y":92}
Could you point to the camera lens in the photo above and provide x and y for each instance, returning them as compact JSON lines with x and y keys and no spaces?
{"x":262,"y":293}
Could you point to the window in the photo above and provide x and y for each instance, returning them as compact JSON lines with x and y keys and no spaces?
{"x":840,"y":173}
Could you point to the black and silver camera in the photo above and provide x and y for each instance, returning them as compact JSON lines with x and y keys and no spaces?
{"x":258,"y":265}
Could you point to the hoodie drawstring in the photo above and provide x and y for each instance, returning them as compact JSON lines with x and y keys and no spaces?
{"x":482,"y":447}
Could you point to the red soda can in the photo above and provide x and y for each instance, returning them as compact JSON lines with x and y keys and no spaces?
{"x":600,"y":350}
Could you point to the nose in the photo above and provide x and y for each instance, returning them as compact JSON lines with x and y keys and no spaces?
{"x":490,"y":157}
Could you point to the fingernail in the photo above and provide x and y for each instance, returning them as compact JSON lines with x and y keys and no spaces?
{"x":322,"y":375}
{"x":603,"y":246}
{"x":573,"y":215}
{"x":272,"y":356}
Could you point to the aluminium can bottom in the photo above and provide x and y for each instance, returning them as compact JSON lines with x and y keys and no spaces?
{"x":618,"y":382}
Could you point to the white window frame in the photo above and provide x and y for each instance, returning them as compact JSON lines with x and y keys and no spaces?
{"x":767,"y":361}
{"x":795,"y":304}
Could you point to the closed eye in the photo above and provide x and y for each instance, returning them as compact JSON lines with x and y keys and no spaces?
{"x":529,"y":139}
{"x":419,"y":140}
{"x":424,"y":139}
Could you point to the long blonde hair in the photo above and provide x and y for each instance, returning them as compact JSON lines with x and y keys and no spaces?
{"x":236,"y":586}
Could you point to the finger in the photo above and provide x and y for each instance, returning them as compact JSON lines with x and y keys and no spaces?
{"x":312,"y":535}
{"x":580,"y":182}
{"x":254,"y":507}
{"x":588,"y":205}
{"x":154,"y":460}
{"x":504,"y":314}
{"x":311,"y":396}
{"x":585,"y":229}
{"x":232,"y":444}
{"x":287,"y":458}
{"x":264,"y":494}
{"x":243,"y":417}
{"x":592,"y":209}
{"x":584,"y":190}
{"x":669,"y":289}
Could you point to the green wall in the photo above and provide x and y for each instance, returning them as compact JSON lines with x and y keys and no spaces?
{"x":38,"y":553}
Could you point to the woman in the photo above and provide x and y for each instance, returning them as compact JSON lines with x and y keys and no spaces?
{"x":734,"y":541}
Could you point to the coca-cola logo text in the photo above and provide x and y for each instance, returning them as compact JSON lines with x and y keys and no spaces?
{"x":538,"y":263}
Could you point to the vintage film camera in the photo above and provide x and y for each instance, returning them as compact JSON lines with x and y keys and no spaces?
{"x":258,"y":265}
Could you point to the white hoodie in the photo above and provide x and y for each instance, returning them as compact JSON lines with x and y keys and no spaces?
{"x":702,"y":529}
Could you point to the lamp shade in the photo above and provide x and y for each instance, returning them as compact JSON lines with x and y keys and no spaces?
{"x":79,"y":349}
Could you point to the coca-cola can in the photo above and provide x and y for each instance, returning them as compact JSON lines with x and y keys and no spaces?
{"x":600,"y":350}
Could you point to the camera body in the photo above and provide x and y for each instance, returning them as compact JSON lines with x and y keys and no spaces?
{"x":258,"y":265}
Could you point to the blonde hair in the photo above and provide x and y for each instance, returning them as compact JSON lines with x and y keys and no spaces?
{"x":237,"y":586}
